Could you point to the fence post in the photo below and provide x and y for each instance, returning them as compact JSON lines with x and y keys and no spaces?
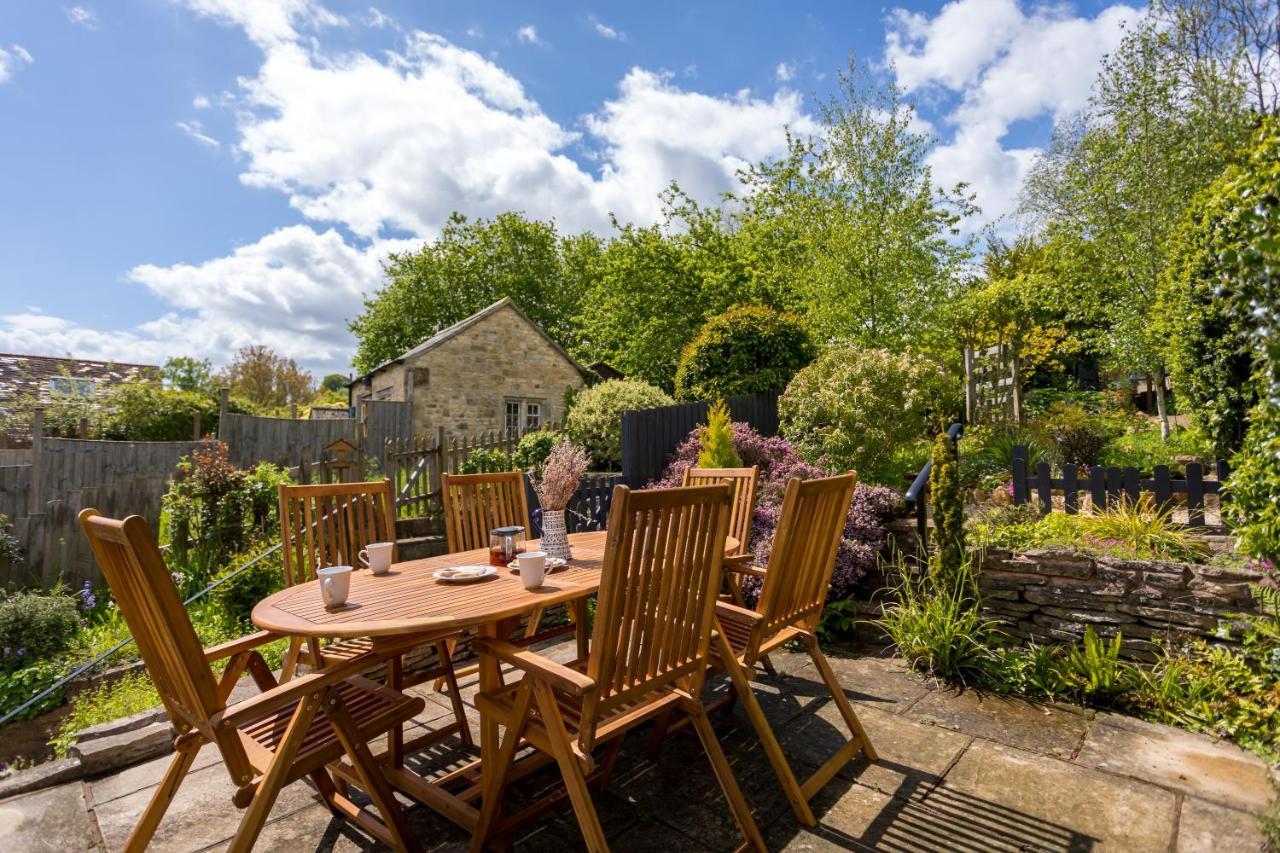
{"x":970,"y":387}
{"x":1044,"y":487}
{"x":224,"y":403}
{"x":1195,"y":494}
{"x":34,"y":506}
{"x":441,"y":457}
{"x":1019,"y":473}
{"x":1070,"y":487}
{"x":83,"y":430}
{"x":1164,"y":487}
{"x":195,"y":425}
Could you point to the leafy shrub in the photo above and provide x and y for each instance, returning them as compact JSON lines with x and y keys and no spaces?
{"x":123,"y":697}
{"x":595,"y":421}
{"x":235,"y":599}
{"x":1092,"y":670}
{"x":864,"y":536}
{"x":534,"y":448}
{"x":1077,"y":434}
{"x":21,"y":685}
{"x":852,"y":408}
{"x":948,"y":502}
{"x":1144,"y":449}
{"x":486,"y":461}
{"x":10,"y":547}
{"x":936,"y":625}
{"x":144,"y":410}
{"x":717,"y":439}
{"x":35,"y":626}
{"x":743,"y":351}
{"x":986,"y":453}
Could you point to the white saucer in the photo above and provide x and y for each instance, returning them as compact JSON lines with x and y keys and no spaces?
{"x":553,"y":564}
{"x":464,"y":574}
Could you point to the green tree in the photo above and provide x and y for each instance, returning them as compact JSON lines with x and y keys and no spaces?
{"x":743,"y":351}
{"x":184,"y":373}
{"x":469,"y":267}
{"x":717,"y":439}
{"x":948,"y":504}
{"x":144,"y":410}
{"x":334,"y":382}
{"x":1112,"y":185}
{"x":267,"y":380}
{"x":871,"y":245}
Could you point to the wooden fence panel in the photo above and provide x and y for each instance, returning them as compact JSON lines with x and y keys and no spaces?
{"x":252,"y":439}
{"x":649,"y":436}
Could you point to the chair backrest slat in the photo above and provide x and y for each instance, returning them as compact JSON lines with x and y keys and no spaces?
{"x":662,"y":570}
{"x":475,"y":504}
{"x":743,"y":483}
{"x":328,"y":524}
{"x":143,"y":589}
{"x":803,"y":556}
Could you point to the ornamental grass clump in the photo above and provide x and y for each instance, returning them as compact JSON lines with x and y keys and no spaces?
{"x":560,"y":475}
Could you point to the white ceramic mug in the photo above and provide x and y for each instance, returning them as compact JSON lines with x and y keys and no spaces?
{"x":377,"y":557}
{"x":335,"y":585}
{"x":533,"y":568}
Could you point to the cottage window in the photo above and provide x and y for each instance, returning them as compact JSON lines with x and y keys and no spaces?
{"x":512,"y":420}
{"x":532,"y":416}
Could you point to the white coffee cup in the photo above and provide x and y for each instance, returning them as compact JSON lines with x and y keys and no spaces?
{"x":533,"y":568}
{"x":335,"y":585}
{"x":377,"y":557}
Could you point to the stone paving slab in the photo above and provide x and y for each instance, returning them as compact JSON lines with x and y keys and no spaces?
{"x":1010,"y":792}
{"x":1196,"y":764}
{"x":958,"y":771}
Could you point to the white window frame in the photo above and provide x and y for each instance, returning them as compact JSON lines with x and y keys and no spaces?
{"x":512,"y":415}
{"x":532,"y":415}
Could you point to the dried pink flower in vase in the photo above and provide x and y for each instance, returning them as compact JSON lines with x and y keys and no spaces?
{"x":560,"y":476}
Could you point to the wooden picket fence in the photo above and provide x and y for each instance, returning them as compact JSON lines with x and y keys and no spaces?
{"x":1105,"y":486}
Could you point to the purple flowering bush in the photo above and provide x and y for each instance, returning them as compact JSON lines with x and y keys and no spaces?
{"x":864,"y":531}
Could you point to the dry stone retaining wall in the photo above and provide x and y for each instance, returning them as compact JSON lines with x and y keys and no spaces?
{"x":1054,"y":594}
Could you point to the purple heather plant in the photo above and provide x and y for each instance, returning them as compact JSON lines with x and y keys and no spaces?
{"x":864,"y":532}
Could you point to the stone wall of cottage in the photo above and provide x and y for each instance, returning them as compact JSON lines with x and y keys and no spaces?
{"x":1053,"y":594}
{"x":464,"y":383}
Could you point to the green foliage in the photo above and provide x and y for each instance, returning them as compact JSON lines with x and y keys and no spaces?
{"x":10,"y":547}
{"x":1144,"y":449}
{"x":743,"y":351}
{"x":334,"y":382}
{"x":595,"y":421}
{"x":184,"y":373}
{"x":130,"y":694}
{"x":1093,"y":670}
{"x":1077,"y":435}
{"x":145,"y":411}
{"x":947,"y":497}
{"x":936,"y":625}
{"x":21,"y":685}
{"x":235,"y":599}
{"x":717,"y":439}
{"x":486,"y":461}
{"x":855,"y":407}
{"x":1127,"y":529}
{"x":534,"y":448}
{"x":469,"y":267}
{"x":839,"y":620}
{"x":35,"y":626}
{"x":986,"y":453}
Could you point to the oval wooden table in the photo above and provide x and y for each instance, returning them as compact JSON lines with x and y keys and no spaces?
{"x":398,"y":609}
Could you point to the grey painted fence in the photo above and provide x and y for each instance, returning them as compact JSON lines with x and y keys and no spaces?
{"x":649,"y":436}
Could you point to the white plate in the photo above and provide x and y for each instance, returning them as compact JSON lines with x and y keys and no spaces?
{"x":464,"y":574}
{"x":553,"y":563}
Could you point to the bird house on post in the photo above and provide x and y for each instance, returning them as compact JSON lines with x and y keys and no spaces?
{"x":344,"y":460}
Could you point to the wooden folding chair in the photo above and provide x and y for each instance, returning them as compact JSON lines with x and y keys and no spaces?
{"x":328,"y":525}
{"x":649,"y":653}
{"x":790,"y":608}
{"x":742,"y":481}
{"x":475,"y":504}
{"x":287,"y":732}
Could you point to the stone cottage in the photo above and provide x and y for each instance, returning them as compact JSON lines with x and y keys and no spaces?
{"x":497,"y":369}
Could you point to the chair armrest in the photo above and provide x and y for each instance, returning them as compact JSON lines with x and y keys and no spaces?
{"x":739,"y":614}
{"x":738,"y":560}
{"x":291,"y":691}
{"x":744,"y":567}
{"x":569,"y":680}
{"x":243,"y":644}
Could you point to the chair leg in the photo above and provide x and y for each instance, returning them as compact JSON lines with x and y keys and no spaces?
{"x":837,"y":693}
{"x":772,"y":749}
{"x":574,"y":781}
{"x":160,"y":800}
{"x":290,"y":665}
{"x":659,"y":734}
{"x":724,"y":775}
{"x":449,"y":645}
{"x":535,"y":621}
{"x":370,"y":773}
{"x":455,"y":695}
{"x":277,"y":771}
{"x":491,"y":797}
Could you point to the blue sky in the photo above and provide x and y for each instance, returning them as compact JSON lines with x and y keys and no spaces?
{"x":191,"y":176}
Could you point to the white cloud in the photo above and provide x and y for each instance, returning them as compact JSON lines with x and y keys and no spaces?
{"x":785,"y":72}
{"x":379,"y":20}
{"x":200,"y":102}
{"x":267,"y":22}
{"x":11,"y":60}
{"x":605,"y":31}
{"x":195,"y":130}
{"x":475,"y":32}
{"x":82,"y":17}
{"x":528,"y":34}
{"x":1002,"y":65}
{"x":394,"y":144}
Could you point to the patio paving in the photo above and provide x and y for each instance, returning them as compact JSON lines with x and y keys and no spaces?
{"x":958,"y":771}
